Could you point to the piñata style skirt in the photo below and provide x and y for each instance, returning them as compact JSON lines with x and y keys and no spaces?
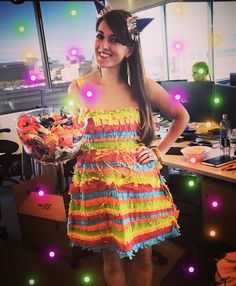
{"x":117,"y":203}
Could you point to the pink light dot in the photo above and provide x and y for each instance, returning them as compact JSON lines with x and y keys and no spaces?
{"x":33,"y":77}
{"x":178,"y":46}
{"x":191,"y":269}
{"x":193,"y":160}
{"x":41,"y":193}
{"x":73,"y":52}
{"x":215,"y":204}
{"x":89,"y":93}
{"x":51,"y":254}
{"x":177,"y":97}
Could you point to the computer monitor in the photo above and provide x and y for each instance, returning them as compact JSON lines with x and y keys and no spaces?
{"x":196,"y":97}
{"x":226,"y":103}
{"x":232,"y":78}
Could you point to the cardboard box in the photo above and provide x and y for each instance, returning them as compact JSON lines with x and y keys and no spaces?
{"x":43,"y":219}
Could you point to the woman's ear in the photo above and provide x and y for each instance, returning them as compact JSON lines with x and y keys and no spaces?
{"x":130,"y":52}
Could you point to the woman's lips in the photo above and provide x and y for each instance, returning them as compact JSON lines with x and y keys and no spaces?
{"x":104,"y":55}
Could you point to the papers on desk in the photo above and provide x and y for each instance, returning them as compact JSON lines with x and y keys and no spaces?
{"x":208,"y":142}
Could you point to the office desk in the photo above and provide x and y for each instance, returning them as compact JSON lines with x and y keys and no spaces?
{"x":216,"y":185}
{"x":178,"y":161}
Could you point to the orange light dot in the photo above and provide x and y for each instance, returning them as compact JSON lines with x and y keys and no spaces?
{"x":208,"y":124}
{"x":212,"y":233}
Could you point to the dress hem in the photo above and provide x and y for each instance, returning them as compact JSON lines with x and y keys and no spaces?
{"x":130,"y":254}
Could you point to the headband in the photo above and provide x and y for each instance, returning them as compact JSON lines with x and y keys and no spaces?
{"x":135,"y":25}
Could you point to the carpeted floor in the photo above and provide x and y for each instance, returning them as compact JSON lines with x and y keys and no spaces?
{"x":19,"y":264}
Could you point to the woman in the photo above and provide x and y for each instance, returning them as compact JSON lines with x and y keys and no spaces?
{"x":200,"y":72}
{"x":119,"y":204}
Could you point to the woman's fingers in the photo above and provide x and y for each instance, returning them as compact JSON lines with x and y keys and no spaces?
{"x":146,"y":155}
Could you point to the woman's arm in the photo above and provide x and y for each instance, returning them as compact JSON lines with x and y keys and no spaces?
{"x":172,"y":109}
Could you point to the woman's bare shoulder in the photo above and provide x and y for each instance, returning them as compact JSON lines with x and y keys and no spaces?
{"x":77,"y":84}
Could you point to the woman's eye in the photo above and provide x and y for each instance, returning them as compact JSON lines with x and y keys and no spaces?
{"x":99,"y":36}
{"x":114,"y":40}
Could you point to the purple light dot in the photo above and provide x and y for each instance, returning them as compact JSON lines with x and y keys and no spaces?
{"x":177,"y":97}
{"x":73,"y":52}
{"x":51,"y":254}
{"x":89,"y":93}
{"x":33,"y":77}
{"x":41,"y":193}
{"x":191,"y":269}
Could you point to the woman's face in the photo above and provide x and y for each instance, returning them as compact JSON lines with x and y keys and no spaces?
{"x":108,"y":51}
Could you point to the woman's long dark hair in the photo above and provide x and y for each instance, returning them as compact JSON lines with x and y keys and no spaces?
{"x":117,"y":21}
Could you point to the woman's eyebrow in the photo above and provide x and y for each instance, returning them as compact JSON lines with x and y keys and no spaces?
{"x":100,"y":31}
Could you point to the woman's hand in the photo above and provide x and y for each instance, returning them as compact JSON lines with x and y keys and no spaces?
{"x":146,"y":155}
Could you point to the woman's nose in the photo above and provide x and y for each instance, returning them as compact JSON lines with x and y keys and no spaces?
{"x":104,"y":44}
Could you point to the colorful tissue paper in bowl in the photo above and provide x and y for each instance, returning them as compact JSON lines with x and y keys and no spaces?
{"x":51,"y":135}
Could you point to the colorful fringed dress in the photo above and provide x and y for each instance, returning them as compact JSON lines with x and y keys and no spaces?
{"x":117,"y":203}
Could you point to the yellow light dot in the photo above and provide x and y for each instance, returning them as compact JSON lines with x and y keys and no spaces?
{"x":212,"y":233}
{"x":71,"y":103}
{"x":208,"y":124}
{"x":29,"y":55}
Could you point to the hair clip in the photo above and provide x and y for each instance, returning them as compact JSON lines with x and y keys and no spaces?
{"x":136,"y":25}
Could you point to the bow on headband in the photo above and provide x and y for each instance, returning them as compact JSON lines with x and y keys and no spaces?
{"x":135,"y":25}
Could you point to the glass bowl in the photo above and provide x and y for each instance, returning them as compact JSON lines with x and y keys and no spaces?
{"x":195,"y":154}
{"x":51,"y":135}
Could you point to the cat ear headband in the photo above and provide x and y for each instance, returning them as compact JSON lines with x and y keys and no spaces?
{"x":135,"y":25}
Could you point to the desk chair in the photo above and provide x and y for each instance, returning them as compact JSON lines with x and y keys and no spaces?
{"x":10,"y":163}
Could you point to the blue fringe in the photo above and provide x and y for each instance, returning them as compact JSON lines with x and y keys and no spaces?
{"x":130,"y":254}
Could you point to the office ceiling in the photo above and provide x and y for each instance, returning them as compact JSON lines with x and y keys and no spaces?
{"x":134,"y":5}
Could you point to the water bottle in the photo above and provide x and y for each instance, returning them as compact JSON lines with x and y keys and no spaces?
{"x":225,"y":134}
{"x":233,"y":143}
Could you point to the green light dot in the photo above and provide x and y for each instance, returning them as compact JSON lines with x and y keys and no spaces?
{"x":31,"y":281}
{"x":216,"y":100}
{"x":201,"y":71}
{"x":191,"y":183}
{"x":86,"y":279}
{"x":73,"y":12}
{"x":21,"y":29}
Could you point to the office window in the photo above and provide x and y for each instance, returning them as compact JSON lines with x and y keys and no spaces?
{"x":187,"y":36}
{"x":152,"y":41}
{"x":70,"y":33}
{"x":20,"y":60}
{"x":224,"y":39}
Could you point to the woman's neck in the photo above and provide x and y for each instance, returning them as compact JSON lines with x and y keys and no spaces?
{"x":110,"y":76}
